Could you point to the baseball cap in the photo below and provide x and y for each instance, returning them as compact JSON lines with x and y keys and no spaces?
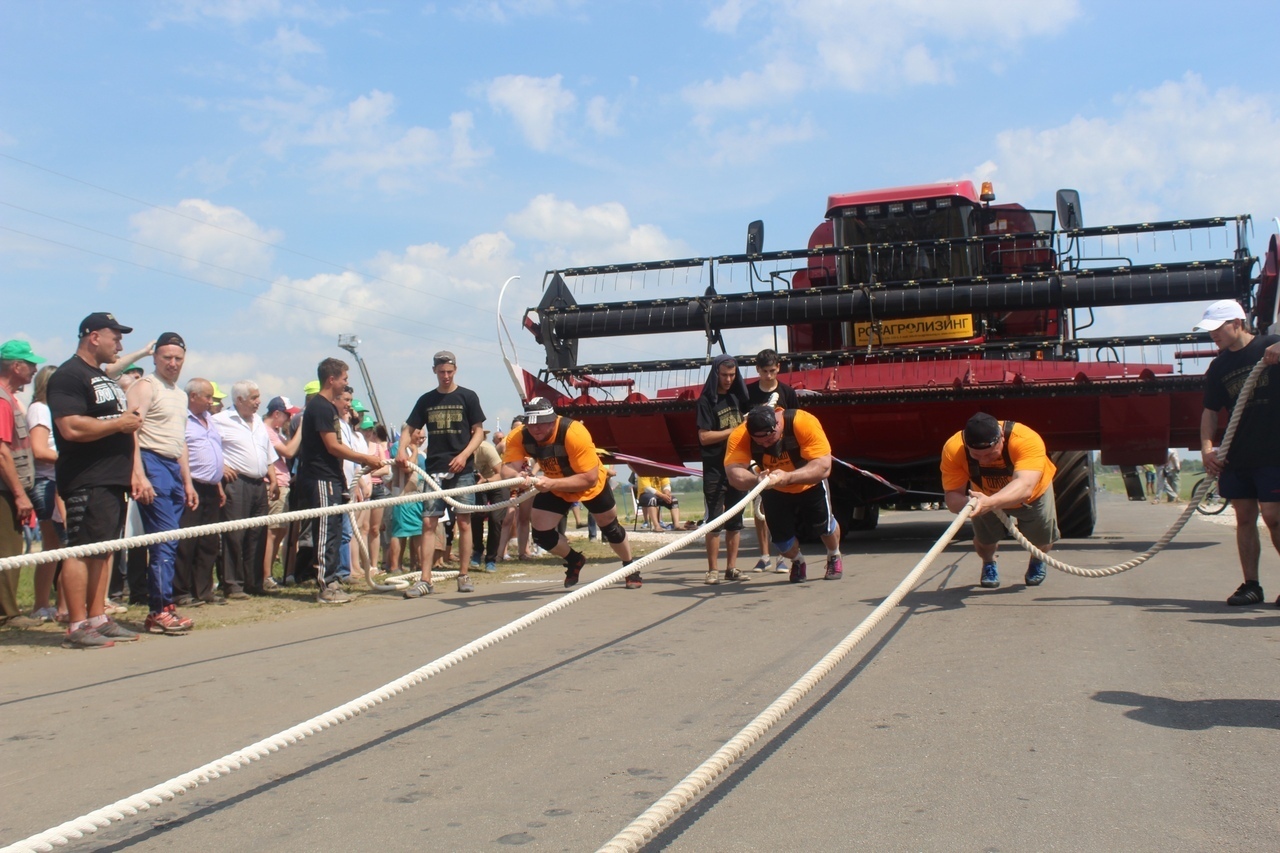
{"x":19,"y":351}
{"x":1218,"y":313}
{"x":282,"y":404}
{"x":761,"y":419}
{"x":539,"y":411}
{"x":170,"y":339}
{"x":133,"y":368}
{"x":982,"y":431}
{"x":367,"y":422}
{"x":102,"y":320}
{"x":443,"y":357}
{"x":218,"y":393}
{"x":311,"y":388}
{"x":357,"y":406}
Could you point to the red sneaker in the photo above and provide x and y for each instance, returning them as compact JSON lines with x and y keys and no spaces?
{"x":167,"y":621}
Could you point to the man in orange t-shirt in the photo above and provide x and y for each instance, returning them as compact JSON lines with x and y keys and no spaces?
{"x":571,"y":472}
{"x":791,"y":451}
{"x":1004,"y":465}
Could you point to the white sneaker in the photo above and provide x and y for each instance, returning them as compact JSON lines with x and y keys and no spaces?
{"x":333,"y":594}
{"x":713,"y":577}
{"x":781,"y":568}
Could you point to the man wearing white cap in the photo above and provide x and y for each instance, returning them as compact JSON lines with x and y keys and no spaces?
{"x":1250,"y":476}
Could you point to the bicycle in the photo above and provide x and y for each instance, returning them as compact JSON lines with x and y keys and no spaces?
{"x":1212,"y":503}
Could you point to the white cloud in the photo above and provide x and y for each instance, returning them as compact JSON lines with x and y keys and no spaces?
{"x":289,"y":42}
{"x":602,"y":116}
{"x":240,"y":12}
{"x":212,"y":239}
{"x":585,"y":235}
{"x":362,"y":141}
{"x":507,"y":11}
{"x":534,"y":103}
{"x":867,"y":45}
{"x":1177,"y":150}
{"x":750,"y":143}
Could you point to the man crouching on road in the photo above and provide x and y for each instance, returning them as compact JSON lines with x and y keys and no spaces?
{"x":1004,"y":465}
{"x":571,"y":472}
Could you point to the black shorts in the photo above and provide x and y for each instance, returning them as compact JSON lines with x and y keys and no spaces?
{"x":1259,"y":484}
{"x":789,"y":513}
{"x":552,"y":502}
{"x":718,"y":494}
{"x":95,"y":514}
{"x":651,"y":499}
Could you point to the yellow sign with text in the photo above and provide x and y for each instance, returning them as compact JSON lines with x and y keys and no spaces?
{"x":944,"y":327}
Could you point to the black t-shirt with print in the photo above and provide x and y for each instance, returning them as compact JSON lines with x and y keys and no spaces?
{"x":448,"y":418}
{"x":725,"y":413}
{"x":79,"y":388}
{"x":315,"y":462}
{"x":787,"y":398}
{"x":1254,"y":445}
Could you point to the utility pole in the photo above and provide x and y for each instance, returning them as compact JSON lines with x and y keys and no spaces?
{"x":350,"y":344}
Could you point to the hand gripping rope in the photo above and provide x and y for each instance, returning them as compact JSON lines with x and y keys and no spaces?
{"x":1246,"y":391}
{"x":130,"y":806}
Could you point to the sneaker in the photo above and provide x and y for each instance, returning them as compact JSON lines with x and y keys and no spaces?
{"x":713,"y":577}
{"x":634,"y":581}
{"x":183,"y":622}
{"x":270,"y":585}
{"x":333,"y":594}
{"x":835,"y":568}
{"x":420,"y":589}
{"x":781,"y":567}
{"x":475,"y":562}
{"x":1250,"y":592}
{"x":21,"y":621}
{"x":165,"y":622}
{"x":490,"y":567}
{"x":990,"y":576}
{"x":86,"y":638}
{"x":113,"y":630}
{"x":464,"y":584}
{"x":238,"y":595}
{"x":799,"y":570}
{"x":45,"y":614}
{"x":761,"y":564}
{"x":188,"y":601}
{"x":733,"y":575}
{"x":573,"y":567}
{"x":1035,"y":572}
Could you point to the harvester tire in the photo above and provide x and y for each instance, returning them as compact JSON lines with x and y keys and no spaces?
{"x":1075,"y":493}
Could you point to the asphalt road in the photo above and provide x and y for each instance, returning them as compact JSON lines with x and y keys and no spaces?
{"x":1130,"y":713}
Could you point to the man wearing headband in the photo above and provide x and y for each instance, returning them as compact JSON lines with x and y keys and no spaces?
{"x":789,"y":449}
{"x":1004,"y":465}
{"x":571,"y":471}
{"x":1250,"y":476}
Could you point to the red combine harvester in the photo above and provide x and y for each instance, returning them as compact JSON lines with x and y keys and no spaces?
{"x":911,"y":309}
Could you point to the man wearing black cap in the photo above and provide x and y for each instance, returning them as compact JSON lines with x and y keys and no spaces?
{"x":454,"y":422}
{"x":1004,"y":466}
{"x":93,"y":430}
{"x":790,"y":450}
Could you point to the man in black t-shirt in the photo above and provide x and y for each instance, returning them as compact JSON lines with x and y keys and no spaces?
{"x":720,"y":408}
{"x":768,"y":392}
{"x":1250,"y":475}
{"x":94,"y":433}
{"x":320,"y":481}
{"x":454,"y":422}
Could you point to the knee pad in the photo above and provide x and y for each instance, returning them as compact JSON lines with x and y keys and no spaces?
{"x":546,"y":539}
{"x":613,"y":532}
{"x":784,"y":547}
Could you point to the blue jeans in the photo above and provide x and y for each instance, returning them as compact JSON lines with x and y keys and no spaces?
{"x":344,"y":550}
{"x":162,"y":514}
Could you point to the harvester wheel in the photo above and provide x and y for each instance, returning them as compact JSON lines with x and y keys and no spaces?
{"x":1075,"y":493}
{"x":849,"y":520}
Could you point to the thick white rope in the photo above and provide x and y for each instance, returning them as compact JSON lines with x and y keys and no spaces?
{"x":1246,"y":391}
{"x":649,"y":823}
{"x":147,"y":539}
{"x":130,"y":806}
{"x":467,"y":509}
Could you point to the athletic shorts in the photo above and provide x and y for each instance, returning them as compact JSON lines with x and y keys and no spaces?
{"x":551,"y":502}
{"x":649,"y":499}
{"x":718,"y":494}
{"x":1259,"y":484}
{"x":95,"y":514}
{"x":434,"y":508}
{"x":791,"y":512}
{"x":1038,"y":521}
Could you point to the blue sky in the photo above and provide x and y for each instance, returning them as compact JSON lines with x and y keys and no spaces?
{"x":261,"y":175}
